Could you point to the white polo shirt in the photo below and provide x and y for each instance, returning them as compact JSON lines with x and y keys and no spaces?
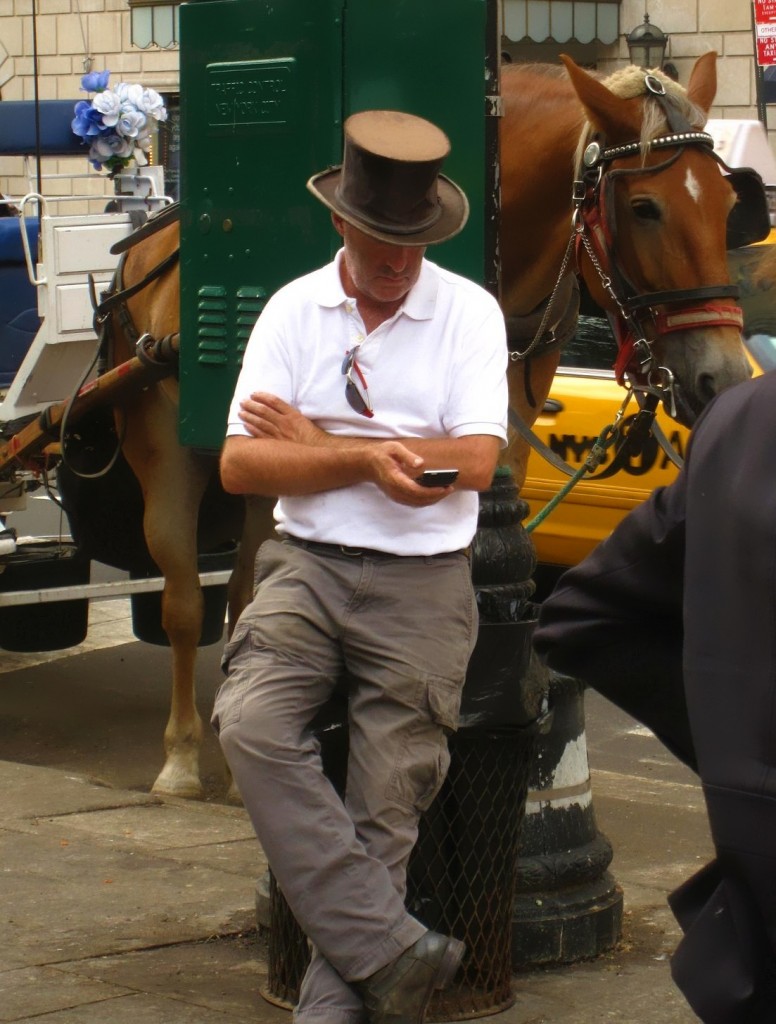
{"x":437,"y":368}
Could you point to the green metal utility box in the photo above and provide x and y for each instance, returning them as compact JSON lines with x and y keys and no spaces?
{"x":266,"y":87}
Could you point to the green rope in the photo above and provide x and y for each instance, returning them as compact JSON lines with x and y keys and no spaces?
{"x":595,"y":457}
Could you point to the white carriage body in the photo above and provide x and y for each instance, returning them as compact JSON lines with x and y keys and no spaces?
{"x":73,"y":248}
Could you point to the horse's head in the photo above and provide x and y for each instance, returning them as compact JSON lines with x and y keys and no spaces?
{"x":652,"y":217}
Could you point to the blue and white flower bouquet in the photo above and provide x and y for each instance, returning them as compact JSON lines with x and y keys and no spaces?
{"x":116,"y":124}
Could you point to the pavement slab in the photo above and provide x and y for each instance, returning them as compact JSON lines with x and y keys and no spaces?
{"x":219,"y":975}
{"x":74,"y":897}
{"x":43,"y":792}
{"x":33,"y":992}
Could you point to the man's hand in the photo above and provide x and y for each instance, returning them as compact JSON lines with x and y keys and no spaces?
{"x":266,"y":415}
{"x":396,"y":469}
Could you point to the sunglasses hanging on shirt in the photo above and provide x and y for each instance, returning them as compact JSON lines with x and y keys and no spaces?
{"x":356,"y":388}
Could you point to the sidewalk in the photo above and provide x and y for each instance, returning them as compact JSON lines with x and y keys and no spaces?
{"x":123,"y":908}
{"x":120,"y":907}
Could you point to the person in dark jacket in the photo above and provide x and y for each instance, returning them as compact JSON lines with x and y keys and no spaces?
{"x":673,"y":618}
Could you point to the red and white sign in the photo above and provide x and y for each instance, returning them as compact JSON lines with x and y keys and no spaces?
{"x":765,"y":31}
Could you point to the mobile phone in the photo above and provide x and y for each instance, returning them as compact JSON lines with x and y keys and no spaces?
{"x":438,"y":477}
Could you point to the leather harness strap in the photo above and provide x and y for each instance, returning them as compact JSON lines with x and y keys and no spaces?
{"x":168,"y":215}
{"x":549,"y":326}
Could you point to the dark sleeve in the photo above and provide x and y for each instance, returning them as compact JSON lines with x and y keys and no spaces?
{"x":615,"y":620}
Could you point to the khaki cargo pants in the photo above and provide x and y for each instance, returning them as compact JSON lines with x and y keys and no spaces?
{"x":403,"y":630}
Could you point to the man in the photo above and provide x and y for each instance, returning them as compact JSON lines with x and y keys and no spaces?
{"x":357,"y":379}
{"x":673,"y":618}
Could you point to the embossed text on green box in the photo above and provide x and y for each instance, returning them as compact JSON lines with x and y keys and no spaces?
{"x":250,"y":92}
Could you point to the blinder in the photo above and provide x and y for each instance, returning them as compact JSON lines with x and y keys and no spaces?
{"x":749,"y":221}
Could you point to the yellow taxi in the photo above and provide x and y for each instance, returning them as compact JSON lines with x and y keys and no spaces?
{"x":585,"y":398}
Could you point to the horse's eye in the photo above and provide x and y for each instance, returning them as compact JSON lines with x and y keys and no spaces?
{"x":645,"y":209}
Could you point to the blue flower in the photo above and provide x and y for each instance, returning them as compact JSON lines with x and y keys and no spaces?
{"x":95,"y":81}
{"x":116,"y":124}
{"x":87,"y":120}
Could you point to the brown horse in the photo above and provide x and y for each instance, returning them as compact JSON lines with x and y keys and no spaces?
{"x":649,"y":227}
{"x":174,"y":481}
{"x":670,"y":228}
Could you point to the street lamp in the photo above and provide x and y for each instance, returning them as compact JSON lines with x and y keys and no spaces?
{"x":647,"y":45}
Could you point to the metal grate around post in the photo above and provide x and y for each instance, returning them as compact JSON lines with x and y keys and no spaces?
{"x":462,"y":873}
{"x":461,"y":877}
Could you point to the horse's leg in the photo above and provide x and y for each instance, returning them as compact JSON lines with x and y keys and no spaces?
{"x":170,"y":525}
{"x":259,"y":525}
{"x":173,"y":480}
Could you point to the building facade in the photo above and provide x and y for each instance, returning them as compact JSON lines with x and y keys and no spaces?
{"x":69,"y":37}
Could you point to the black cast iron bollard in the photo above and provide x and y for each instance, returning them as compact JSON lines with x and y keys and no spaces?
{"x":568,"y":907}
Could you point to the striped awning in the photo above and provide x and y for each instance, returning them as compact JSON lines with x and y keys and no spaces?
{"x":560,"y":21}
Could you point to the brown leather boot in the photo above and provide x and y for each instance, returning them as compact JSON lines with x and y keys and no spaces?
{"x":399,"y":993}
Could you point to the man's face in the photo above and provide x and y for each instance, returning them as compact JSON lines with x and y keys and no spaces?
{"x":378,"y":271}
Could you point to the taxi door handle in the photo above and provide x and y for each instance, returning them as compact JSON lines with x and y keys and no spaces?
{"x":552,"y":407}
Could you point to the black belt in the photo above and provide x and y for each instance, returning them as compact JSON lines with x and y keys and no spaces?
{"x":353,"y":552}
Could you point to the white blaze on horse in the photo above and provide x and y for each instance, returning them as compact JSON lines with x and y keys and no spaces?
{"x":660,"y":256}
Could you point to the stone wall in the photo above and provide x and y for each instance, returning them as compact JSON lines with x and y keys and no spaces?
{"x":72,"y":36}
{"x":695,"y":27}
{"x":70,"y":32}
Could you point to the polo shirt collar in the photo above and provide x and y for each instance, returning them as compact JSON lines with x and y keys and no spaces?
{"x":418,"y":305}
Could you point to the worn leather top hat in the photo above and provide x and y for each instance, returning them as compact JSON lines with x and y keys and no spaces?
{"x":389,"y":185}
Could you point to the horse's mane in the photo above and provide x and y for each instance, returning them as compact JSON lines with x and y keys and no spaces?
{"x":535,"y":68}
{"x":628,"y":83}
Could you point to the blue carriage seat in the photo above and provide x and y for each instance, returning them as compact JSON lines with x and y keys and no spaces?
{"x":26,"y":132}
{"x":18,"y":135}
{"x":19,"y":321}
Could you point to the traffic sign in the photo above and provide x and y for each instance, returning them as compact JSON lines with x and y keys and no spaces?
{"x":765,"y":31}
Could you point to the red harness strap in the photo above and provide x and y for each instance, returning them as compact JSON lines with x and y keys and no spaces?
{"x":708,"y":315}
{"x":700,"y":316}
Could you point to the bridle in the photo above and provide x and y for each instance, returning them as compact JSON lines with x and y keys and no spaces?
{"x":595,"y":232}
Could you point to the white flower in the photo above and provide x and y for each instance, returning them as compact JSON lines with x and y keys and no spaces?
{"x":153,"y":105}
{"x":130,"y":94}
{"x":106,"y":146}
{"x":131,"y":123}
{"x":109,"y":105}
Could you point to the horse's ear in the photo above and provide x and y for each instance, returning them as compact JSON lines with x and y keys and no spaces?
{"x":702,"y":87}
{"x":618,"y":119}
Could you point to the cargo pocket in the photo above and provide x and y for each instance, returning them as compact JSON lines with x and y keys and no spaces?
{"x":234,"y":643}
{"x":444,"y":702}
{"x":227,"y":705}
{"x":424,"y":759}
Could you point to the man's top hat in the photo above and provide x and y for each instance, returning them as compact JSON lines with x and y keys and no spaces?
{"x":389,"y":185}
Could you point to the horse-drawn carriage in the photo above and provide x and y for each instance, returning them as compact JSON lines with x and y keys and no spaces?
{"x":562,"y":171}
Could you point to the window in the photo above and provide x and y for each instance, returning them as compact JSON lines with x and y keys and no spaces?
{"x":584,"y":21}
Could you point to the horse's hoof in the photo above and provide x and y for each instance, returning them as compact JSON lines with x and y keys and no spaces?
{"x":233,"y":796}
{"x":183,"y":788}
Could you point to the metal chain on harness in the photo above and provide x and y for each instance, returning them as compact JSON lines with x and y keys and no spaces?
{"x":519,"y":356}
